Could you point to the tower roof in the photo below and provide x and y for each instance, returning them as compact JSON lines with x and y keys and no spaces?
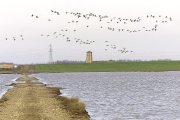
{"x":88,"y":52}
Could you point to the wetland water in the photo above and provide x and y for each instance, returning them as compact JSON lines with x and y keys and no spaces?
{"x":6,"y":79}
{"x":118,"y":96}
{"x":124,"y":95}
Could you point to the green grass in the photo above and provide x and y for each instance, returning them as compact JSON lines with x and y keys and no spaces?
{"x":7,"y":72}
{"x":110,"y":67}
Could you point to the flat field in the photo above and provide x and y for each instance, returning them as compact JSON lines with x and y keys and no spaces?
{"x":145,"y":66}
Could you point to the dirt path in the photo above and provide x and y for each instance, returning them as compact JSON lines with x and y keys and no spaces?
{"x":32,"y":100}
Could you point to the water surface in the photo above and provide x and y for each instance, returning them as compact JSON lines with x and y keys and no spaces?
{"x":123,"y":96}
{"x":6,"y":79}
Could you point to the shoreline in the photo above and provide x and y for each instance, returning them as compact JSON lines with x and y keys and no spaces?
{"x":110,"y":71}
{"x":99,"y":72}
{"x":9,"y":87}
{"x":30,"y":99}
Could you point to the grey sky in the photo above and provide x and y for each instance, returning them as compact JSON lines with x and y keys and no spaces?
{"x":16,"y":20}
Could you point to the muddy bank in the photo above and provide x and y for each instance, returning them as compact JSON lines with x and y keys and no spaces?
{"x":30,"y":99}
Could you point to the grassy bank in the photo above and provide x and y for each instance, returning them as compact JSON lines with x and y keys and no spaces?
{"x":146,"y":66}
{"x":7,"y":72}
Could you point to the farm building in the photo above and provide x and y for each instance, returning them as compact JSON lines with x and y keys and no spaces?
{"x":7,"y":66}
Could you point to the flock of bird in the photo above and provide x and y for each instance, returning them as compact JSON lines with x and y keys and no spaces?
{"x":108,"y":23}
{"x":114,"y":24}
{"x":14,"y":38}
{"x":115,"y":47}
{"x":56,"y":35}
{"x":118,"y":21}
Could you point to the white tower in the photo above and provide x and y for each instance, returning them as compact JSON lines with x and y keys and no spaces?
{"x":89,"y":57}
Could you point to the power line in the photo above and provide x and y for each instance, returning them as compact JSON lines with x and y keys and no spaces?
{"x":50,"y":54}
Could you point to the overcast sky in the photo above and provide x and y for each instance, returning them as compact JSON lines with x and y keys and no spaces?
{"x":16,"y":20}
